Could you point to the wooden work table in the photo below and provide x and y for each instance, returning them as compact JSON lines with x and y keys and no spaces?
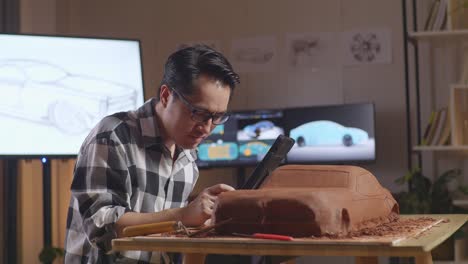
{"x":419,"y":247}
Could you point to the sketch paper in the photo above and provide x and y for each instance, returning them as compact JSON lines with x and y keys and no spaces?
{"x":256,"y":54}
{"x":215,"y":44}
{"x":312,"y":50}
{"x":368,"y":46}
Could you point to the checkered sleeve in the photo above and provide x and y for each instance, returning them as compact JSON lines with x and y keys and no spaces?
{"x":102,"y":187}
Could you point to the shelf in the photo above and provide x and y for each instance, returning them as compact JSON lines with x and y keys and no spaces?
{"x":461,"y":203}
{"x":440,"y":148}
{"x":450,"y":262}
{"x":439,"y":35}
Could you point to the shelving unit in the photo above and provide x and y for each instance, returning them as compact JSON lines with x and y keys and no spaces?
{"x":456,"y":35}
{"x":438,"y":35}
{"x":441,"y":148}
{"x":458,"y":144}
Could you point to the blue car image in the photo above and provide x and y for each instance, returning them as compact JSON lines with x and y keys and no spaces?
{"x":324,"y":132}
{"x":256,"y":129}
{"x":218,"y":151}
{"x":256,"y":148}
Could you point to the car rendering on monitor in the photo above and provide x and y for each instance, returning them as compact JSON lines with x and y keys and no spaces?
{"x":255,"y":148}
{"x":324,"y":132}
{"x":264,"y":129}
{"x":216,"y":151}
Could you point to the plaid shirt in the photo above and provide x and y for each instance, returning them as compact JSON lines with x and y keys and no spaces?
{"x":123,"y":166}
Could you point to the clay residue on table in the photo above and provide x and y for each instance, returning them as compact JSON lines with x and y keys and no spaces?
{"x":398,"y":228}
{"x":405,"y":226}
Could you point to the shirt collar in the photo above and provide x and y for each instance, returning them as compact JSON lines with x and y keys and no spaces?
{"x":191,"y":154}
{"x":148,"y":125}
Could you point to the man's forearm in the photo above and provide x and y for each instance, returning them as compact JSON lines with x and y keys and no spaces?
{"x":132,"y":218}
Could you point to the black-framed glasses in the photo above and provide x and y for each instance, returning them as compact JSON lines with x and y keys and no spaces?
{"x":203,"y":115}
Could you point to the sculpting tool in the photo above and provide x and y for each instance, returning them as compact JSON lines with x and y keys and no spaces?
{"x":153,"y":228}
{"x":209,"y":228}
{"x":265,"y":236}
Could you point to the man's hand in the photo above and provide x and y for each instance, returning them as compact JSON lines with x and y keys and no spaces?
{"x":200,"y":209}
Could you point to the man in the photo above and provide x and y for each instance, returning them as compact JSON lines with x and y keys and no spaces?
{"x":138,"y":167}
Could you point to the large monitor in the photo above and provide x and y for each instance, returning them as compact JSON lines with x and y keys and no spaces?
{"x":53,"y":90}
{"x":335,"y":134}
{"x":243,"y":140}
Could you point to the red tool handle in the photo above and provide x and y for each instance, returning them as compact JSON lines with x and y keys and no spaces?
{"x":272,"y":236}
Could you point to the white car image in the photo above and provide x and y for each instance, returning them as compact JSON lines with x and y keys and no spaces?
{"x":325,"y":132}
{"x":41,"y":92}
{"x":327,"y":141}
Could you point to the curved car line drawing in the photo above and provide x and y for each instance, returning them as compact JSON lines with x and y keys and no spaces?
{"x":42,"y":92}
{"x":324,"y":132}
{"x":256,"y":148}
{"x":217,"y":151}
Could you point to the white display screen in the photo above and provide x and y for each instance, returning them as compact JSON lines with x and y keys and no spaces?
{"x":53,"y":90}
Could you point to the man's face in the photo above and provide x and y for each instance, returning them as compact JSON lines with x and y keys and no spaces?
{"x":210,"y":96}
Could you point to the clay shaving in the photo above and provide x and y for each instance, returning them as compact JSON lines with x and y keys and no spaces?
{"x":395,"y":228}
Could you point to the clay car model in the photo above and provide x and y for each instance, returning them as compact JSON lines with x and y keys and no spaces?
{"x":42,"y":92}
{"x":324,"y":132}
{"x":308,"y":200}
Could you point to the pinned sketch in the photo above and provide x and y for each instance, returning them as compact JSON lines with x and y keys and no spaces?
{"x":214,"y":44}
{"x":311,"y":50}
{"x":254,"y":54}
{"x":367,"y":47}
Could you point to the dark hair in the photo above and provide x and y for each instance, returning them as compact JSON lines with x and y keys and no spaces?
{"x":184,"y":66}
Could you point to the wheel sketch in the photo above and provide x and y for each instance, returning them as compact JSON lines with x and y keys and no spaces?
{"x":42,"y":92}
{"x":365,"y":48}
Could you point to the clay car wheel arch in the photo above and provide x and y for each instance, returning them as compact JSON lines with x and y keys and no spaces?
{"x":346,"y":220}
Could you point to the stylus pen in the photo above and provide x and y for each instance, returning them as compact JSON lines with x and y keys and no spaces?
{"x":265,"y":236}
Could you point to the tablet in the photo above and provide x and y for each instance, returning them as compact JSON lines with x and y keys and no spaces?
{"x":275,"y":155}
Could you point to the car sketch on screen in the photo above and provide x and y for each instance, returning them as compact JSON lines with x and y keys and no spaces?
{"x":313,"y":138}
{"x":45,"y":93}
{"x":261,"y":130}
{"x":217,"y":151}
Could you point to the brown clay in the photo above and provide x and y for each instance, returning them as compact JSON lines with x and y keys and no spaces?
{"x":308,"y":200}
